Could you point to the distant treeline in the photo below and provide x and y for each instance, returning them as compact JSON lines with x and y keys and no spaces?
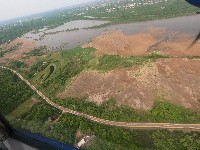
{"x":165,"y":9}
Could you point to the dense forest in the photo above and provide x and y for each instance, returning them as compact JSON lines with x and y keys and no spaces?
{"x":13,"y":91}
{"x":64,"y":130}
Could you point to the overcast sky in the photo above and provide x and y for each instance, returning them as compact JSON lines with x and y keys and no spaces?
{"x":16,"y":8}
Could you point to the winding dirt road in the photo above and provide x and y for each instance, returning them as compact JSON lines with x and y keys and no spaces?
{"x":194,"y":127}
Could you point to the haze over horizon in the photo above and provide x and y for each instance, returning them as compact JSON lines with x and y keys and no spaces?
{"x":11,"y":9}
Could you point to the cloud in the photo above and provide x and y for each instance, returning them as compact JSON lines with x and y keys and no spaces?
{"x":16,"y":8}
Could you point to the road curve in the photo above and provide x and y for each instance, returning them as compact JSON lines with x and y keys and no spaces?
{"x":193,"y":127}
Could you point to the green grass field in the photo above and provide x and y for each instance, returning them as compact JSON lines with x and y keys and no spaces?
{"x":22,"y":108}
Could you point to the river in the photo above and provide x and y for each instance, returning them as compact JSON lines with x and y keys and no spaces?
{"x":73,"y":34}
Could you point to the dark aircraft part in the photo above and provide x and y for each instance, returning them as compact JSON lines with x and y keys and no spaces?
{"x":194,"y":2}
{"x":4,"y":133}
{"x":197,"y":4}
{"x":194,"y":42}
{"x":30,"y":139}
{"x":2,"y":146}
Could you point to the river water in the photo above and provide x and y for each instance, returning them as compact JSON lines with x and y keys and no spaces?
{"x":60,"y":38}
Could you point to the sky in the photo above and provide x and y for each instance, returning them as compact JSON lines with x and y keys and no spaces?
{"x":10,"y":9}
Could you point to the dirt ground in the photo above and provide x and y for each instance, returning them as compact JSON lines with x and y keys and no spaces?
{"x":176,"y":80}
{"x":155,"y":39}
{"x":26,"y":47}
{"x":30,"y":61}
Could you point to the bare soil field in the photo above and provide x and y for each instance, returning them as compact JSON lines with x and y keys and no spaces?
{"x":176,"y":80}
{"x":26,"y":47}
{"x":150,"y":40}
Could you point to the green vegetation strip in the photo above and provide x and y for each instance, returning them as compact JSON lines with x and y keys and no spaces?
{"x":161,"y":112}
{"x":110,"y":62}
{"x":40,"y":51}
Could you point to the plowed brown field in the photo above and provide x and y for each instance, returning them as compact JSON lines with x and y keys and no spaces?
{"x":176,"y":80}
{"x":159,"y":40}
